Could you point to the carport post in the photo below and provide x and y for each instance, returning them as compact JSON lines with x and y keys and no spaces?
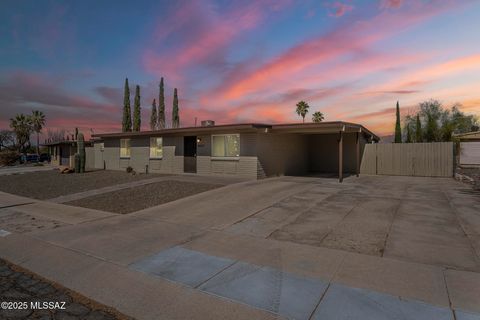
{"x":358,"y":153}
{"x":340,"y":157}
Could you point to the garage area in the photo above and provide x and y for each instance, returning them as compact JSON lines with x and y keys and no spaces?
{"x":330,"y":150}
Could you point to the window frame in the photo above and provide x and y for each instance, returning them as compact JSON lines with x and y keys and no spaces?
{"x":150,"y":148}
{"x":224,"y":157}
{"x":129,"y":148}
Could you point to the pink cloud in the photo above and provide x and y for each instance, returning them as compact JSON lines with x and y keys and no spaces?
{"x":206,"y":35}
{"x":339,"y":9}
{"x":346,"y":40}
{"x":395,"y":4}
{"x":22,"y":92}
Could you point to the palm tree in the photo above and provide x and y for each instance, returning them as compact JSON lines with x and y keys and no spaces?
{"x":22,"y":126}
{"x":38,"y":121}
{"x":302,"y":109}
{"x":317,"y":117}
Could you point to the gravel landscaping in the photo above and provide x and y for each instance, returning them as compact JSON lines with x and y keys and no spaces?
{"x":19,"y":288}
{"x":142,"y":197}
{"x":50,"y":184}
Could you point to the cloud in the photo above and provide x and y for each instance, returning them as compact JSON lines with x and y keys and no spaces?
{"x":395,"y":4}
{"x":112,"y":95}
{"x":198,"y":33}
{"x":339,"y":9}
{"x":324,"y":50}
{"x":22,"y":92}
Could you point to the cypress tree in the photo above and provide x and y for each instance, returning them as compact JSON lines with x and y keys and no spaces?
{"x":127,"y":113}
{"x":161,"y":106}
{"x":175,"y":115}
{"x":432,"y":129}
{"x":398,"y":129}
{"x":418,"y":130}
{"x":409,"y":135}
{"x":153,"y":116}
{"x":137,"y":121}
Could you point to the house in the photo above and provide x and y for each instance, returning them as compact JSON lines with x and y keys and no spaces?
{"x":469,"y":155}
{"x":252,"y":150}
{"x":62,"y":152}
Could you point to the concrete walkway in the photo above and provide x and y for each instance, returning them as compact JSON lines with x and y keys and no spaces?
{"x":367,"y":248}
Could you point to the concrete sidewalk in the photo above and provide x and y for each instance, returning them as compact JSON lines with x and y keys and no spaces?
{"x":233,"y":233}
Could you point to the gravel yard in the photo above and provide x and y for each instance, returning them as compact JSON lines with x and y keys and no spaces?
{"x":19,"y":286}
{"x":142,"y":197}
{"x":50,"y":184}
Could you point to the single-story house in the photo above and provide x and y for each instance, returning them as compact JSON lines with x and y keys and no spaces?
{"x":251,"y":150}
{"x":63,"y":152}
{"x":469,"y":155}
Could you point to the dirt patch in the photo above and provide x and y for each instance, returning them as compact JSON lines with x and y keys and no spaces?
{"x":142,"y":197}
{"x":51,"y":184}
{"x":19,"y":286}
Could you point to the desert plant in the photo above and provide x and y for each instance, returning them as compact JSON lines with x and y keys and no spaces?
{"x":77,"y":162}
{"x":302,"y":109}
{"x":398,"y":129}
{"x":8,"y":157}
{"x":38,"y":121}
{"x":81,"y":151}
{"x":22,"y":126}
{"x":137,"y":116}
{"x":153,"y":116}
{"x":7,"y":140}
{"x":127,"y":113}
{"x":175,"y":112}
{"x":161,"y":106}
{"x":317,"y":117}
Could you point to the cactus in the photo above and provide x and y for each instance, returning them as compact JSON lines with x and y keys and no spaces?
{"x":81,"y":151}
{"x":77,"y":163}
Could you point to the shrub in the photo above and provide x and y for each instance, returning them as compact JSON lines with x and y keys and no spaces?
{"x":129,"y":169}
{"x":8,"y":157}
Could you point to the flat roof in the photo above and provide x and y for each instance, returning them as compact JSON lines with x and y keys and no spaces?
{"x":305,"y":128}
{"x":69,"y":142}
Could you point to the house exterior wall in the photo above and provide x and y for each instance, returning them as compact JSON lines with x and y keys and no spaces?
{"x":172,"y":160}
{"x":470,"y":153}
{"x":281,"y":154}
{"x":89,"y":158}
{"x":323,"y":152}
{"x":261,"y":155}
{"x":98,"y":150}
{"x":245,"y":166}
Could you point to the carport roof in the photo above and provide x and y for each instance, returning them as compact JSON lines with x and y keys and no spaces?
{"x":311,"y":128}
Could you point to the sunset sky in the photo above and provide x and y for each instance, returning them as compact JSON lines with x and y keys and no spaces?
{"x":237,"y":61}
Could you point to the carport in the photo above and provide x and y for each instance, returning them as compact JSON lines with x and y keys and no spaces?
{"x":327,"y":148}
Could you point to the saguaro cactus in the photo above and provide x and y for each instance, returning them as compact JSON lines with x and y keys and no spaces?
{"x":77,"y":163}
{"x":81,"y":151}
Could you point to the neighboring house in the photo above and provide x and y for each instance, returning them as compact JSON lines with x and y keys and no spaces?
{"x":469,"y":155}
{"x":62,"y":153}
{"x":247,"y":150}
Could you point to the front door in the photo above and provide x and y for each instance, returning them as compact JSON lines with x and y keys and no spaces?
{"x":190,"y":154}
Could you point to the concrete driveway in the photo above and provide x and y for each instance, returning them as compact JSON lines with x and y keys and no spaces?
{"x":373,"y":247}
